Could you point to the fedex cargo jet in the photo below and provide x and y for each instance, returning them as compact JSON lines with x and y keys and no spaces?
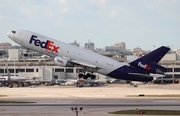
{"x":67,"y":55}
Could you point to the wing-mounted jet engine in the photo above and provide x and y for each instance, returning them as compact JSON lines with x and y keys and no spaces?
{"x":62,"y":62}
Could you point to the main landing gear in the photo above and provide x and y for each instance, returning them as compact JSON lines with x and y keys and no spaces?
{"x":87,"y":76}
{"x":26,"y":54}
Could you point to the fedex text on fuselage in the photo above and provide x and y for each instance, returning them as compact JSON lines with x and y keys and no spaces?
{"x":48,"y":45}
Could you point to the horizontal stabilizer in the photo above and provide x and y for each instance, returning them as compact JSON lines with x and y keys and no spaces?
{"x":140,"y":75}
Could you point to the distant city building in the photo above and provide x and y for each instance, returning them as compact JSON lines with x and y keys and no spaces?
{"x":4,"y":49}
{"x":137,"y":49}
{"x":89,"y":46}
{"x":128,"y":50}
{"x":7,"y":45}
{"x":119,"y":47}
{"x":139,"y":52}
{"x":99,"y":50}
{"x":17,"y":47}
{"x":75,"y":43}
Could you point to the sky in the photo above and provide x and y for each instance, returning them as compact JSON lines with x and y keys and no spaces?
{"x":139,"y":23}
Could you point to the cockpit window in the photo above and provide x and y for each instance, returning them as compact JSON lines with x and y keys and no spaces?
{"x":13,"y":31}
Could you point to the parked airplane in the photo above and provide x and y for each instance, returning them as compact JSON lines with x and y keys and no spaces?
{"x":45,"y":56}
{"x":12,"y":80}
{"x":69,"y":56}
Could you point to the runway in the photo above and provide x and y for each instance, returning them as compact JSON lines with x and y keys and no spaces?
{"x":98,"y":101}
{"x":65,"y":109}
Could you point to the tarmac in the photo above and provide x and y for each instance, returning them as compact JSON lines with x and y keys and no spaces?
{"x":58,"y":100}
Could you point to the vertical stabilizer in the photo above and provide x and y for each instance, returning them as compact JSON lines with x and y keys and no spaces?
{"x":150,"y":61}
{"x":156,"y":55}
{"x":8,"y":73}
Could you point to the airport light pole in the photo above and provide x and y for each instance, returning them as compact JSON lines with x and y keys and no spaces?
{"x":14,"y":67}
{"x":76,"y":110}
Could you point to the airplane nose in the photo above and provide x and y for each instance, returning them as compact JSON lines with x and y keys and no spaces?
{"x":11,"y":34}
{"x":8,"y":34}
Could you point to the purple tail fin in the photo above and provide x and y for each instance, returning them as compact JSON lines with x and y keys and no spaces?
{"x":156,"y":55}
{"x":150,"y":61}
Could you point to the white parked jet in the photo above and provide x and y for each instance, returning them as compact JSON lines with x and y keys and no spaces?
{"x":11,"y":80}
{"x":69,"y":56}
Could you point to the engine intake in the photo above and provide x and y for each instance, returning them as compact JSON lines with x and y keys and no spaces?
{"x":62,"y":62}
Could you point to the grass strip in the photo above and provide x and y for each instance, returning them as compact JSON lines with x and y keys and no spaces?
{"x":3,"y":95}
{"x":14,"y":102}
{"x":147,"y":112}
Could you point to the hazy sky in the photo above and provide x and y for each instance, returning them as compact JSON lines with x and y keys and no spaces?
{"x":141,"y":23}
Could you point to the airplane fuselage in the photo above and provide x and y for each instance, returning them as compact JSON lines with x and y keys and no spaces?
{"x":52,"y":47}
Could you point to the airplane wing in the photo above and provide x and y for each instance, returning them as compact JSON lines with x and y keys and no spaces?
{"x":83,"y":64}
{"x":88,"y":67}
{"x":65,"y":61}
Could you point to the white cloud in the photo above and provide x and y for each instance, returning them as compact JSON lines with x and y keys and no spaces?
{"x":116,"y":11}
{"x":99,"y":1}
{"x":102,"y":1}
{"x":62,"y":1}
{"x":50,"y":14}
{"x":113,"y":14}
{"x":59,"y":23}
{"x":1,"y":17}
{"x":64,"y":10}
{"x":25,"y":12}
{"x":163,"y":1}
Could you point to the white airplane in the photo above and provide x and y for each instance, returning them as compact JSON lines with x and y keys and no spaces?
{"x":45,"y":56}
{"x":11,"y":80}
{"x":67,"y":55}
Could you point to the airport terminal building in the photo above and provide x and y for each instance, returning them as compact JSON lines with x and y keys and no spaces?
{"x":38,"y":67}
{"x":44,"y":69}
